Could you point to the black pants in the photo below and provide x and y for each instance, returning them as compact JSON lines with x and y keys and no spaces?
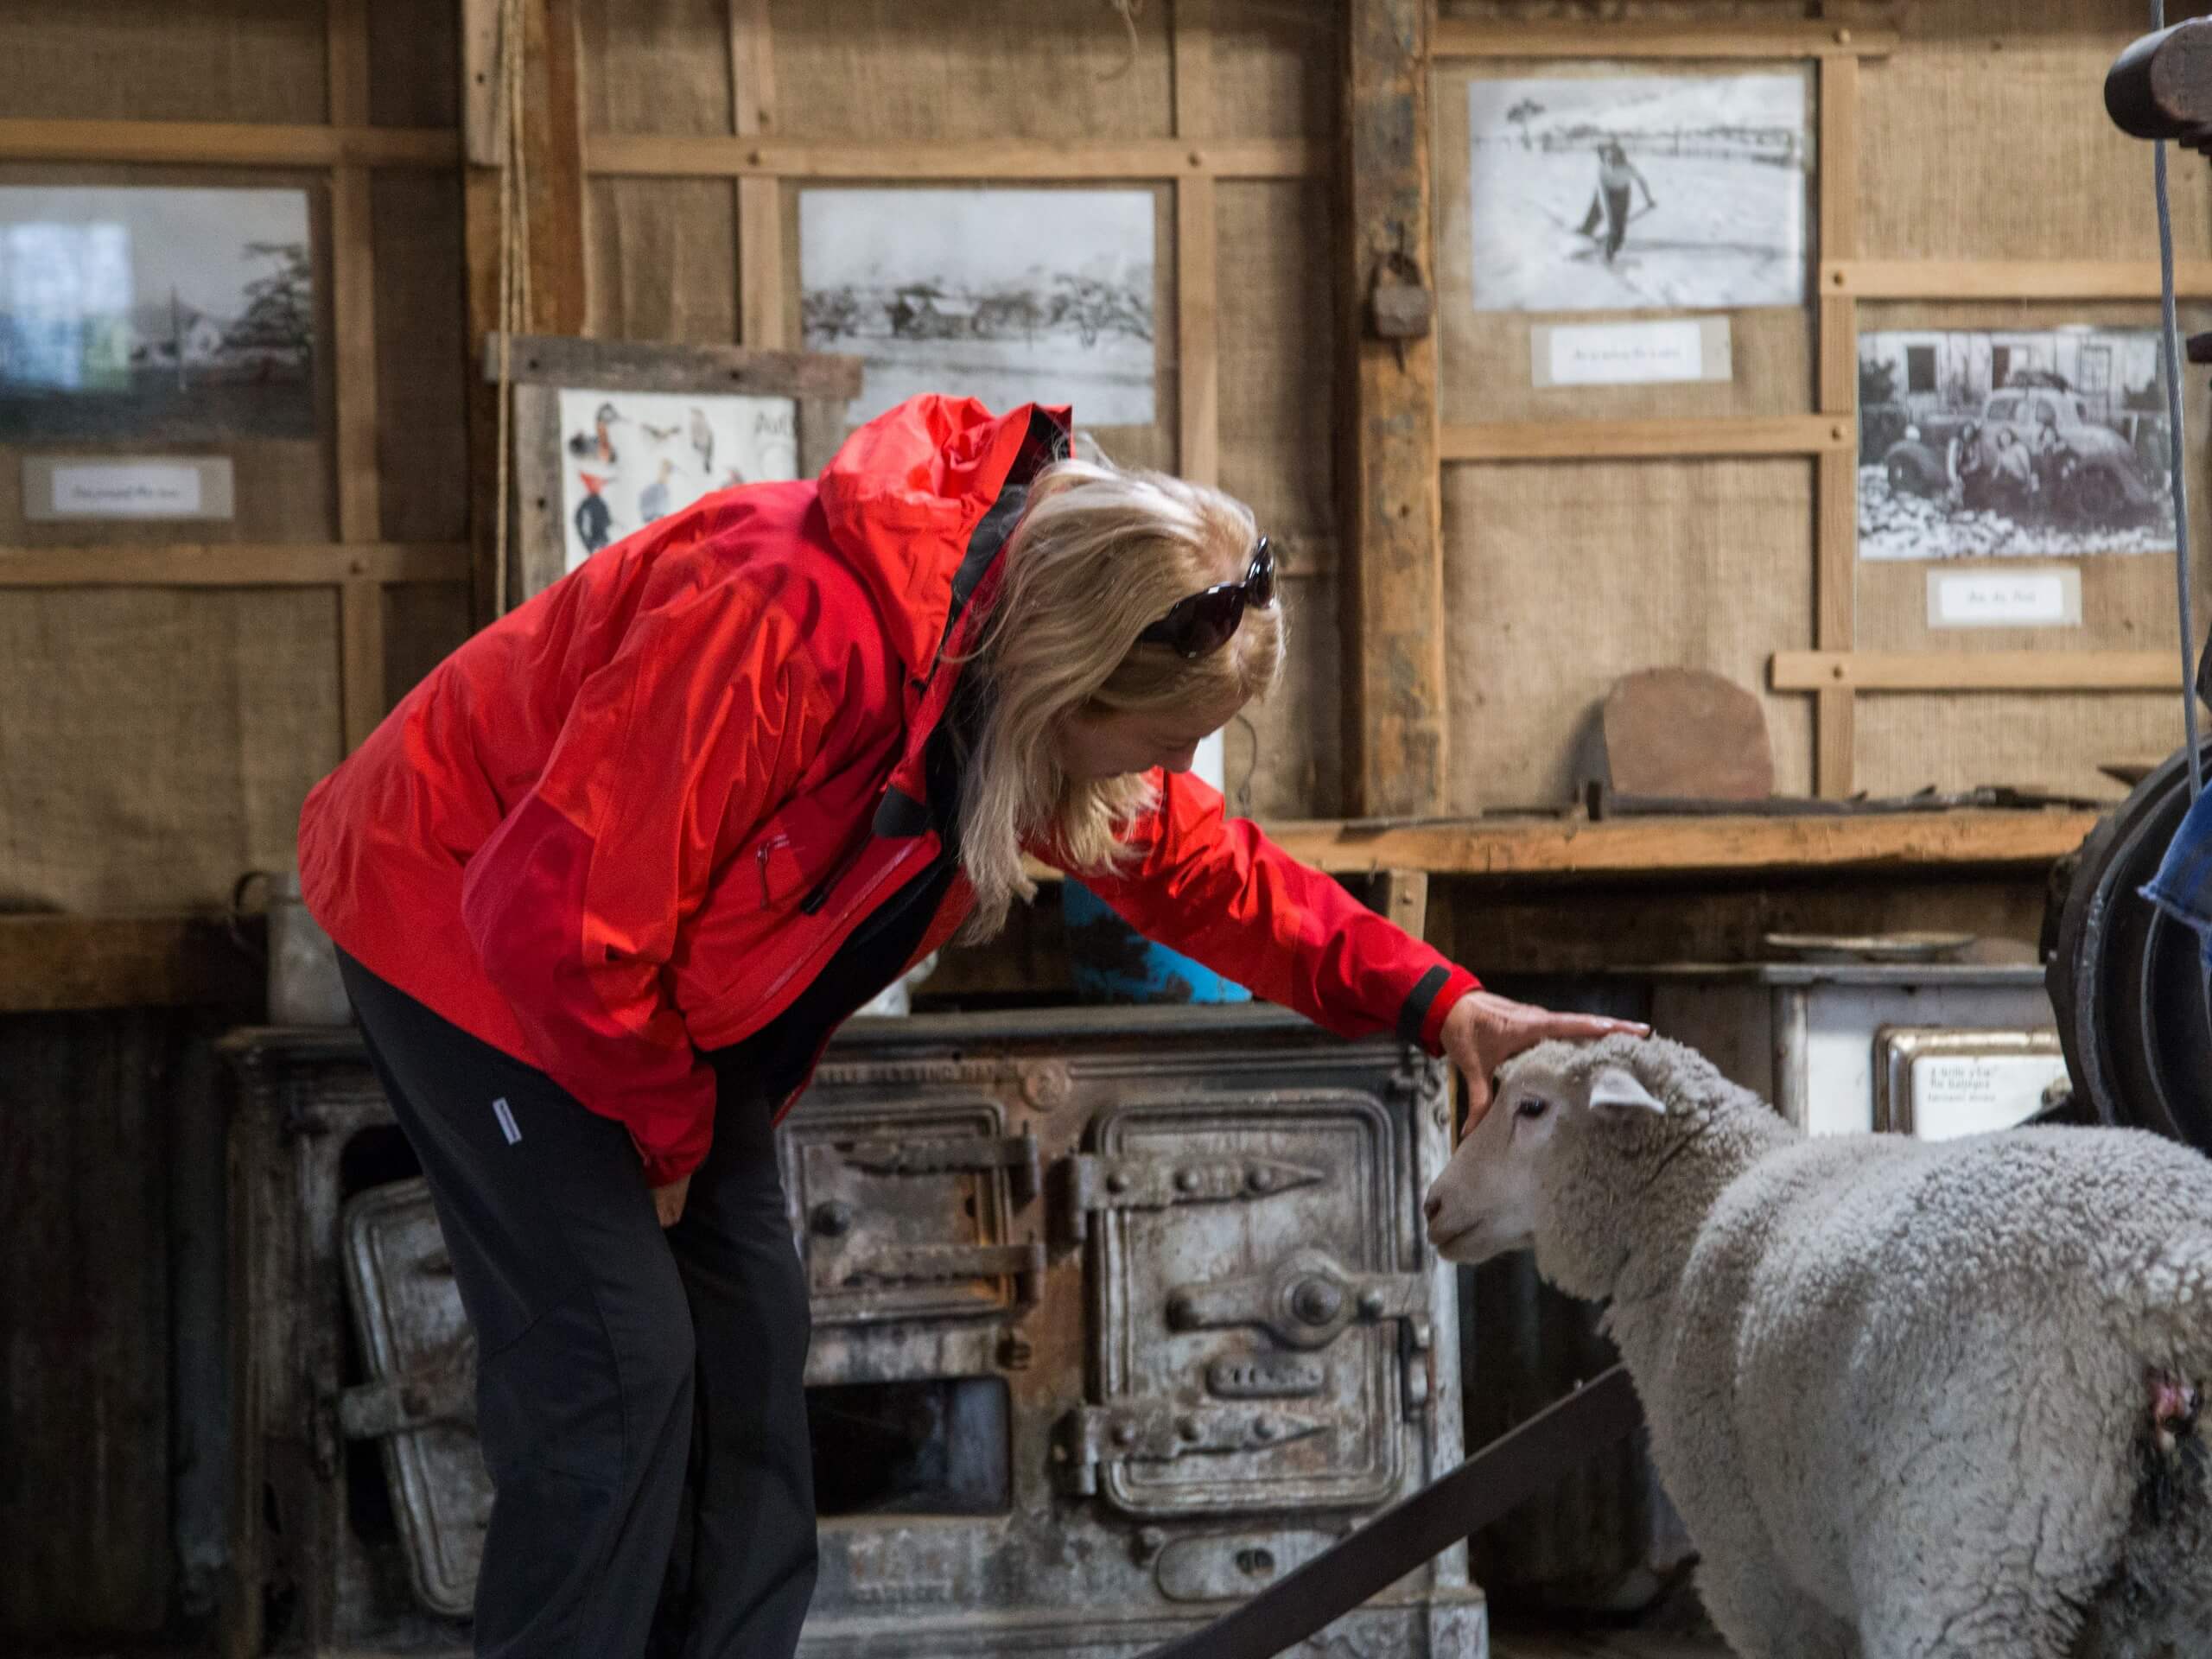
{"x":639,"y":1393}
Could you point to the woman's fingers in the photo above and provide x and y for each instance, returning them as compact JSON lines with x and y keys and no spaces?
{"x":1588,"y":1027}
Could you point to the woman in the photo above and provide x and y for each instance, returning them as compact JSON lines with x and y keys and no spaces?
{"x":1617,"y":177}
{"x":606,"y":882}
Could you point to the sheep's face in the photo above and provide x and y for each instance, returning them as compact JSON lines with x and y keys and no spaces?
{"x":1507,"y":1175}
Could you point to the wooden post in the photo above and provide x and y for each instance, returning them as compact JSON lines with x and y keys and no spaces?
{"x":353,"y":308}
{"x":1392,"y":591}
{"x":1197,"y":350}
{"x":1402,"y":896}
{"x":1836,"y":526}
{"x":553,"y":165}
{"x":759,"y":196}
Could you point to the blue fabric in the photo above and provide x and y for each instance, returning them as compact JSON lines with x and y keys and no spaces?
{"x":2182,"y":887}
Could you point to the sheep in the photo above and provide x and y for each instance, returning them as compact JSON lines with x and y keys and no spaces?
{"x":1914,"y":1400}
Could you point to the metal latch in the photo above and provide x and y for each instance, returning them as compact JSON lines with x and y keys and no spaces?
{"x":1092,"y":1181}
{"x":1015,"y":1153}
{"x":441,"y":1390}
{"x":937,"y":1264}
{"x":1307,"y":1301}
{"x":1160,"y":1431}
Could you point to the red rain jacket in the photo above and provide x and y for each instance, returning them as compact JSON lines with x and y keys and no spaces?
{"x":633,"y":818}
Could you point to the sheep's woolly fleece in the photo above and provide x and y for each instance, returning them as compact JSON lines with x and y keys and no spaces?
{"x":1899,"y":1387}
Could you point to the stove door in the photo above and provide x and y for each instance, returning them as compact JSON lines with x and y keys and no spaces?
{"x":907,"y":1213}
{"x":1255,"y":1332}
{"x":420,"y":1397}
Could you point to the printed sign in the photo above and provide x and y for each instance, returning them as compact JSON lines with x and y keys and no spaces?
{"x":1629,"y":354}
{"x":2004,"y":599}
{"x":184,"y":487}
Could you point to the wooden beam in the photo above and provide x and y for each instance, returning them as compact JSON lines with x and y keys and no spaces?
{"x":1747,"y":38}
{"x":651,"y":365}
{"x":1641,"y":847}
{"x":2009,"y":279}
{"x":1783,"y":435}
{"x":1391,"y":588}
{"x":1402,"y":896}
{"x":760,"y":297}
{"x":672,"y":155}
{"x":53,"y":963}
{"x":552,"y":159}
{"x":231,"y":564}
{"x":1835,"y":482}
{"x":360,"y":660}
{"x":1976,"y":670}
{"x":354,"y":284}
{"x":1197,"y":346}
{"x":223,"y":143}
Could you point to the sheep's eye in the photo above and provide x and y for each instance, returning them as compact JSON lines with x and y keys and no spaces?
{"x":1532,"y":1108}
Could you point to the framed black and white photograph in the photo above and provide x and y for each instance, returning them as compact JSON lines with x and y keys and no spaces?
{"x":1639,"y":192}
{"x":1009,"y":295}
{"x":131,"y":313}
{"x":2045,"y":443}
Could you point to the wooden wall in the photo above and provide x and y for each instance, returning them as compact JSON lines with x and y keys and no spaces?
{"x":1963,"y":161}
{"x":168,"y":691}
{"x":945,"y":91}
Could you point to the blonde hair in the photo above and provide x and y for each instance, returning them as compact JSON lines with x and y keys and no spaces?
{"x":1098,"y":556}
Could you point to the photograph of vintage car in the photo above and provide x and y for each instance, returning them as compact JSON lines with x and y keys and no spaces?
{"x":2047,"y":443}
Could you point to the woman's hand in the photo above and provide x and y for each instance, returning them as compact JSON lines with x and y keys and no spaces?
{"x":668,"y":1201}
{"x":1485,"y":1030}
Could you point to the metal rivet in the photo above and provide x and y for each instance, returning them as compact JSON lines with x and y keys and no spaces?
{"x":1316,"y":1301}
{"x":1371,"y":1304}
{"x":1124,"y":1435}
{"x":833,"y":1219}
{"x":1117,"y":1182}
{"x":1264,"y":1428}
{"x":1187,"y":1181}
{"x":1189,"y":1429}
{"x":1261,"y":1180}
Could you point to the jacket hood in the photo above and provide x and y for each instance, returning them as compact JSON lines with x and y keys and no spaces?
{"x":906,"y":493}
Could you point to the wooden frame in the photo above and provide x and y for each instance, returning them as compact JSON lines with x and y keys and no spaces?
{"x":359,"y":565}
{"x":1834,"y":673}
{"x":540,"y":367}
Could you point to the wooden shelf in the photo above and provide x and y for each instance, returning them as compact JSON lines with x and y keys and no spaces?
{"x":50,"y":963}
{"x":663,"y":156}
{"x":1782,"y":38}
{"x":241,"y":144}
{"x":2009,"y":279}
{"x":230,"y":564}
{"x":1977,"y":671}
{"x":1651,"y":439}
{"x":1886,"y":843}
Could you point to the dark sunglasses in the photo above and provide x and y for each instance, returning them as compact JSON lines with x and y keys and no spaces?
{"x":1201,"y":625}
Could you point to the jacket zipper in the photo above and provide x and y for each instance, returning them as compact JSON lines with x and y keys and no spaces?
{"x":899,"y":860}
{"x":811,"y":904}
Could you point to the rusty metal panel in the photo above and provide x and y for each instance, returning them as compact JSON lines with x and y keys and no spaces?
{"x":420,"y":1397}
{"x":904,"y":1214}
{"x":1248,"y":1304}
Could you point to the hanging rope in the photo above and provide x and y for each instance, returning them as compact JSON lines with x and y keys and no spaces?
{"x":514,"y":271}
{"x":1128,"y":11}
{"x":2171,"y":343}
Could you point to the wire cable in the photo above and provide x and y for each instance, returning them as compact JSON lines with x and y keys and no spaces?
{"x":2175,"y":449}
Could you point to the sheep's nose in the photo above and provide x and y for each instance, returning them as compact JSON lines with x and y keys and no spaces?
{"x":1432,"y":1205}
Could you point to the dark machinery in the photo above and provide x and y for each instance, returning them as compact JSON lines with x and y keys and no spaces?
{"x":2129,"y":982}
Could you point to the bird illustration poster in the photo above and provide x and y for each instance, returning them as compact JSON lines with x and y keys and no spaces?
{"x":629,"y":457}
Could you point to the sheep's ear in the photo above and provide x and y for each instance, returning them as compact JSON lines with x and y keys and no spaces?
{"x":1617,"y":1090}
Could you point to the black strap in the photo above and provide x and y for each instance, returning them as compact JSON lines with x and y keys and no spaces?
{"x":1510,"y":1469}
{"x":1413,"y":1016}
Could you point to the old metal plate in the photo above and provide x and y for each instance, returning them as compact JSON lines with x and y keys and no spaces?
{"x":407,"y":1309}
{"x":1153,"y":1263}
{"x":869,"y":1226}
